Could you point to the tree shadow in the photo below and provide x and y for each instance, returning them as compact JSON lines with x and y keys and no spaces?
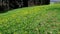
{"x":3,"y":11}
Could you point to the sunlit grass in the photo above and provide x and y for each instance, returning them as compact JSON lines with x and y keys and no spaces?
{"x":31,"y":20}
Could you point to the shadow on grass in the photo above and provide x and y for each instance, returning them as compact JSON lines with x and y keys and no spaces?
{"x":3,"y":12}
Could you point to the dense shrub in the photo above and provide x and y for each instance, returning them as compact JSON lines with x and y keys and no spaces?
{"x":31,"y":20}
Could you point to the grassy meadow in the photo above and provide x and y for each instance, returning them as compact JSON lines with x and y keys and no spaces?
{"x":31,"y":20}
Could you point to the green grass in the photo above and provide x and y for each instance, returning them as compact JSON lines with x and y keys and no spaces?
{"x":31,"y":20}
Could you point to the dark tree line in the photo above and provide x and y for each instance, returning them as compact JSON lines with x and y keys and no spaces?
{"x":13,"y":4}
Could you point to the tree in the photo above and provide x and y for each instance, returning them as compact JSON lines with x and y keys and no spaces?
{"x":45,"y":2}
{"x":13,"y":4}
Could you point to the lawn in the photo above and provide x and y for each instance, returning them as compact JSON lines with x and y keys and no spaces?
{"x":31,"y":20}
